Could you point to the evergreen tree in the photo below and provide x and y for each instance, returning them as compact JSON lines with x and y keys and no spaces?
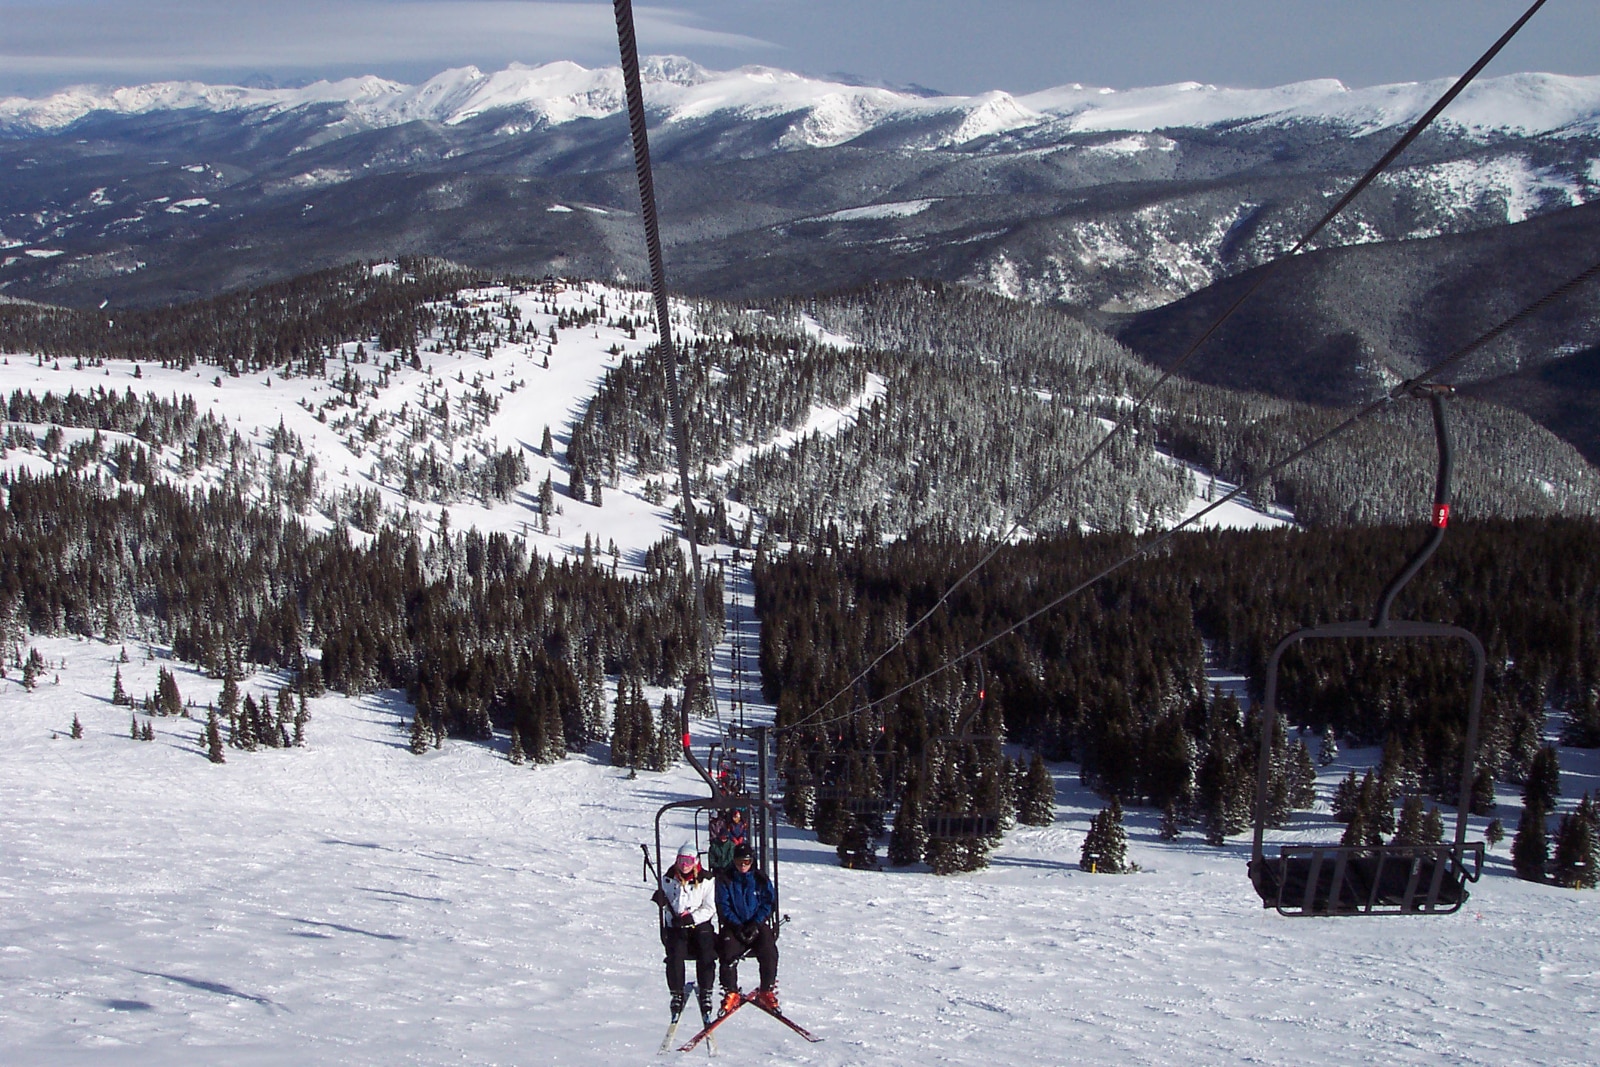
{"x":855,"y":849}
{"x":1576,"y":860}
{"x":1544,"y":780}
{"x":1494,"y":833}
{"x":1038,"y":807}
{"x":1302,"y":777}
{"x":668,"y":742}
{"x":249,"y":724}
{"x":32,"y":667}
{"x":1482,"y":802}
{"x":800,"y":796}
{"x":1327,"y":748}
{"x":133,"y":725}
{"x":622,"y":729}
{"x":1409,"y":831}
{"x":517,"y":757}
{"x":213,"y":737}
{"x":148,"y":733}
{"x":77,"y":728}
{"x":1433,"y":827}
{"x":1105,"y":847}
{"x":1169,"y":829}
{"x":119,"y":695}
{"x":168,"y":699}
{"x":228,"y":704}
{"x":908,"y":838}
{"x":1530,"y":848}
{"x":419,"y":733}
{"x":1346,"y":796}
{"x":832,"y":821}
{"x":301,"y":717}
{"x":1223,"y":792}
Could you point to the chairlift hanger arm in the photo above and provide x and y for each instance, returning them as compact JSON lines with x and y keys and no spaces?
{"x":1435,"y":395}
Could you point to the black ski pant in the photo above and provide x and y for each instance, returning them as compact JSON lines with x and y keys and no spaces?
{"x":698,"y":942}
{"x":755,"y":939}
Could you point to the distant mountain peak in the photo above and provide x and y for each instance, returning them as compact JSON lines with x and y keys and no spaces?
{"x":828,"y":109}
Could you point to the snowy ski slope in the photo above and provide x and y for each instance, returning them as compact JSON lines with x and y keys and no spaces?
{"x":350,"y":903}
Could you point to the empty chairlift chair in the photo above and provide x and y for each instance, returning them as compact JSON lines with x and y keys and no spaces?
{"x":1337,"y":880}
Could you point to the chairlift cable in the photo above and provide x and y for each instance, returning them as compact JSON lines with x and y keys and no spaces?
{"x":627,"y":45}
{"x":1396,"y":393}
{"x":1266,"y":274}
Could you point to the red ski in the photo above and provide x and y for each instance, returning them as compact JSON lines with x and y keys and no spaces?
{"x":785,"y":1020}
{"x":718,"y":1021}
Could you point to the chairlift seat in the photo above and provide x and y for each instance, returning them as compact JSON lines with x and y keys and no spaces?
{"x":953,"y":826}
{"x":1327,"y":880}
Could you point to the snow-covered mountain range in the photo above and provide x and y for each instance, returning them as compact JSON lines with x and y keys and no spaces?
{"x":823,"y":113}
{"x":1116,"y":200}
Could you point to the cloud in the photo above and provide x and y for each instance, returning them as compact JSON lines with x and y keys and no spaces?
{"x":109,"y":40}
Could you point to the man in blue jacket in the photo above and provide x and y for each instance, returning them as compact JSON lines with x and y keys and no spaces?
{"x":744,"y":903}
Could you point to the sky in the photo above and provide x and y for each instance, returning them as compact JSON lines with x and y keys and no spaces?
{"x":956,"y":46}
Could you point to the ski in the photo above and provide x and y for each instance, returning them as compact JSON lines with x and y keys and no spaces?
{"x":666,"y":1042}
{"x":672,"y":1027}
{"x":705,"y":1035}
{"x":785,"y":1020}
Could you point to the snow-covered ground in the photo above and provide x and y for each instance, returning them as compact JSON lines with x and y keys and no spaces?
{"x":351,"y":903}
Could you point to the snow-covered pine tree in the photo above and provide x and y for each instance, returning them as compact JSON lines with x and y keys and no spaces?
{"x":1105,"y":847}
{"x":301,"y":717}
{"x":1576,"y":859}
{"x":622,"y":729}
{"x":1302,"y":777}
{"x":668,"y":742}
{"x":1327,"y":748}
{"x":799,"y":794}
{"x":32,"y":667}
{"x":1346,"y":795}
{"x":1409,"y":830}
{"x":119,"y":695}
{"x":908,"y":838}
{"x":213,"y":737}
{"x":168,"y":700}
{"x":1169,"y":830}
{"x":76,"y":731}
{"x":1530,"y":848}
{"x":1543,"y":784}
{"x":228,"y":704}
{"x":1038,"y":807}
{"x":517,"y":756}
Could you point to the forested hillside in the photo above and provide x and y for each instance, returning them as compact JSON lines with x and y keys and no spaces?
{"x":1114,"y":678}
{"x":986,"y":406}
{"x":473,"y":628}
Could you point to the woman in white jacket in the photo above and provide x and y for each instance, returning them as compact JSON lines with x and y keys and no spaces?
{"x":688,"y":896}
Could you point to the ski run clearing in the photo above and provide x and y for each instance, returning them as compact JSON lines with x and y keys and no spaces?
{"x":351,"y":903}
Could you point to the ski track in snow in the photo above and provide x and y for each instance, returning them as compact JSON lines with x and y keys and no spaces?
{"x":352,"y":903}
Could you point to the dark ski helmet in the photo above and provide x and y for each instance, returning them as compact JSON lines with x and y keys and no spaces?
{"x":744,"y":852}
